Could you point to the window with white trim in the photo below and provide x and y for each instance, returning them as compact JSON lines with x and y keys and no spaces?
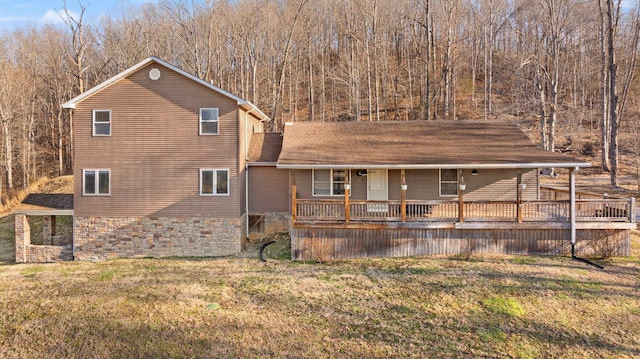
{"x":329,"y":182}
{"x":448,"y":182}
{"x":96,"y":182}
{"x":209,"y":121}
{"x":214,"y":182}
{"x":102,"y":122}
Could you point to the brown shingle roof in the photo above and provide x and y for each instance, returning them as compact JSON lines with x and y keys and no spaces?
{"x":265,"y":147}
{"x":37,"y":202}
{"x":414,"y":144}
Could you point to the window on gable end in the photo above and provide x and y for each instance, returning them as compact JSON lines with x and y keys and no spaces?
{"x":209,"y":121}
{"x":102,"y":122}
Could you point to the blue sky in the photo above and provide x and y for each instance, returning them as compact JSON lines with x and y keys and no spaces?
{"x":15,"y":14}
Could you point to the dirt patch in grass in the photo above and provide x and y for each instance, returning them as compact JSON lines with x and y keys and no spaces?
{"x":280,"y":249}
{"x":490,"y":306}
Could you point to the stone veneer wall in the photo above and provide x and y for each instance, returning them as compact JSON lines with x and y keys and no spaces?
{"x":100,"y":238}
{"x":277,"y":222}
{"x":23,"y":237}
{"x":28,"y":253}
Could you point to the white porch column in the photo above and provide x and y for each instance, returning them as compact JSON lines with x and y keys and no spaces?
{"x":572,"y":205}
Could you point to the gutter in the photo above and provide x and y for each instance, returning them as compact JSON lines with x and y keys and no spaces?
{"x":436,"y":166}
{"x":262,"y":164}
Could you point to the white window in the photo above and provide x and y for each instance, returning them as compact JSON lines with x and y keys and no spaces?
{"x":209,"y":121}
{"x":214,"y":182}
{"x":102,"y":122}
{"x":329,"y":182}
{"x":448,"y":182}
{"x":96,"y":182}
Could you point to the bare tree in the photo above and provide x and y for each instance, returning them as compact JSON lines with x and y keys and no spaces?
{"x":283,"y":64}
{"x":611,"y":15}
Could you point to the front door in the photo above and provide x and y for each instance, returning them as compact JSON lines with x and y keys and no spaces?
{"x":377,"y":190}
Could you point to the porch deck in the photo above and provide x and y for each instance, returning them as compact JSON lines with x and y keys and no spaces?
{"x":587,"y":210}
{"x":332,"y":229}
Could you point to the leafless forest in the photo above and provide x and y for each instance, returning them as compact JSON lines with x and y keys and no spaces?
{"x":565,"y":70}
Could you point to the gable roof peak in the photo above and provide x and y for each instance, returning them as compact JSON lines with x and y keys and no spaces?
{"x":241,"y":102}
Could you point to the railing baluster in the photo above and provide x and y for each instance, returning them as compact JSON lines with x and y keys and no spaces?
{"x":611,"y":209}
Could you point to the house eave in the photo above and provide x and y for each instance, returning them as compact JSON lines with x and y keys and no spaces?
{"x":261,"y":164}
{"x":250,"y":107}
{"x":44,"y":212}
{"x":437,"y":166}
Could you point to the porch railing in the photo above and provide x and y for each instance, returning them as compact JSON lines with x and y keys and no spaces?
{"x":613,"y":210}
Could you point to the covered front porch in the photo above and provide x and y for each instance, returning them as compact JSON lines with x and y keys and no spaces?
{"x":527,"y":204}
{"x":544,"y":221}
{"x":438,"y":187}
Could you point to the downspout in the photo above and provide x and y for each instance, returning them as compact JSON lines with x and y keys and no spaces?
{"x":246,"y":167}
{"x":572,"y":213}
{"x":73,"y":170}
{"x":246,"y":173}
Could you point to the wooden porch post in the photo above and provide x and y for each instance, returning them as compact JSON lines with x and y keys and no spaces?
{"x":572,"y":204}
{"x":519,"y":195}
{"x":403,"y":194}
{"x":293,"y":197}
{"x":461,"y":187}
{"x":347,"y":189}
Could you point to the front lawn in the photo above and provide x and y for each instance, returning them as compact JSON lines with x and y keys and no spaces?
{"x":489,"y":306}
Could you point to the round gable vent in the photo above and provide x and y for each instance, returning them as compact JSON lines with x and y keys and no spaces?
{"x":154,"y":74}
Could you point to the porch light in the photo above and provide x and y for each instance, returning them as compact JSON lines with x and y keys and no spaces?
{"x":474,"y":172}
{"x":462,"y":185}
{"x":404,"y":186}
{"x":347,"y":186}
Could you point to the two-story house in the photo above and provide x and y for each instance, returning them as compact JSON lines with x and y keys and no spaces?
{"x":160,"y":165}
{"x":167,"y":164}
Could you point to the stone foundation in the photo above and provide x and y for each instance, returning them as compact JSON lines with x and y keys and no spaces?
{"x":101,"y":238}
{"x":272,"y":222}
{"x":277,"y":222}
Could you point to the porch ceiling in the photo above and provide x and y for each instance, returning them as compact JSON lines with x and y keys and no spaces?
{"x":414,"y":145}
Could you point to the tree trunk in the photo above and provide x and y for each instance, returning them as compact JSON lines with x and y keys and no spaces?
{"x":605,"y":95}
{"x":8,"y":152}
{"x":285,"y":58}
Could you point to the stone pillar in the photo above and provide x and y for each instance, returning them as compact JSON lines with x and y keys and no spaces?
{"x":48,"y":229}
{"x":23,"y":237}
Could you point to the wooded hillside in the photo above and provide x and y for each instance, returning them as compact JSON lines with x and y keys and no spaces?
{"x":563,"y":69}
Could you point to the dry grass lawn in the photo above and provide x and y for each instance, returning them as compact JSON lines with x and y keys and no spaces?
{"x":490,"y":306}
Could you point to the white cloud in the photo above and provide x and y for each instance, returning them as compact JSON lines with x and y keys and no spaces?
{"x":13,"y":19}
{"x":55,"y":16}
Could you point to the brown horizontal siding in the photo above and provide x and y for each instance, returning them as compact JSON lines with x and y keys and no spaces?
{"x":498,"y":184}
{"x":154,"y":151}
{"x":268,"y":189}
{"x":358,"y":186}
